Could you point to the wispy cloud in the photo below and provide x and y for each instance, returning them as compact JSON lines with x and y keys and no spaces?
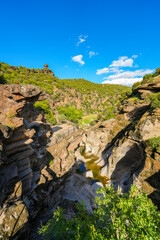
{"x":92,"y":54}
{"x":134,"y":56}
{"x":78,"y":59}
{"x":108,"y":70}
{"x":81,"y":39}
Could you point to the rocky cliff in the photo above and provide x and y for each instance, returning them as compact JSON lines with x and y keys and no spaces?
{"x":35,"y":158}
{"x":42,"y":166}
{"x":122,"y":145}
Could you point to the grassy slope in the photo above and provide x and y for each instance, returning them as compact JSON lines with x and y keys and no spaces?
{"x":91,"y":97}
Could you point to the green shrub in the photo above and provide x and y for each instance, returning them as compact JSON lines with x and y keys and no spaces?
{"x":155,"y":100}
{"x":117,"y":217}
{"x":2,"y":79}
{"x":92,"y":123}
{"x":154,"y":143}
{"x":45,"y":107}
{"x":147,"y":78}
{"x":61,"y":118}
{"x":71,"y":113}
{"x":157,"y":72}
{"x":107,"y":114}
{"x":135,"y":85}
{"x":51,"y":118}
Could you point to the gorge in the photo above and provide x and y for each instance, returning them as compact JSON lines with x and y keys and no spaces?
{"x":43,"y":166}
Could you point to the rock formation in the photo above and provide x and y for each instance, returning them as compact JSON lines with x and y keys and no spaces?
{"x":34,"y":159}
{"x":39,"y":162}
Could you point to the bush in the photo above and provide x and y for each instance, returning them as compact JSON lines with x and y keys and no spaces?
{"x":45,"y":107}
{"x":61,"y":118}
{"x":71,"y":113}
{"x":156,"y":73}
{"x":2,"y":79}
{"x":108,"y":113}
{"x":147,"y":78}
{"x":117,"y":217}
{"x":154,"y":143}
{"x":92,"y":123}
{"x":155,"y":100}
{"x":135,"y":85}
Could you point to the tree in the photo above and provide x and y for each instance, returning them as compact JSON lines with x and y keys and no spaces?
{"x":2,"y":80}
{"x":117,"y":217}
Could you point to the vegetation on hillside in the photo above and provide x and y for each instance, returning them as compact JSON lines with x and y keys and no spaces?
{"x":117,"y":217}
{"x":45,"y":107}
{"x":90,"y":97}
{"x":152,"y":98}
{"x":70,"y":113}
{"x":148,"y":78}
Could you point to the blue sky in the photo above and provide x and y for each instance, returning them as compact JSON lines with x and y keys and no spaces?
{"x":116,"y":41}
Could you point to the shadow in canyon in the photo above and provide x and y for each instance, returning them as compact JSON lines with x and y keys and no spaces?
{"x":154,"y":181}
{"x":128,"y":168}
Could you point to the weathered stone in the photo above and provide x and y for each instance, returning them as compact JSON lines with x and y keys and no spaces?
{"x":149,"y":125}
{"x":97,"y":185}
{"x":88,"y":174}
{"x":13,"y":219}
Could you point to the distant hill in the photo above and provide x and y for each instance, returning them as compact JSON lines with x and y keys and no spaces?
{"x":91,"y":97}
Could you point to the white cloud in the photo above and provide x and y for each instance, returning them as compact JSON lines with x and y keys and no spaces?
{"x":127,"y":78}
{"x":81,"y":39}
{"x":130,"y":74}
{"x":122,"y":62}
{"x":117,"y":75}
{"x":123,"y":81}
{"x":92,"y":54}
{"x":78,"y":59}
{"x":134,"y":56}
{"x":102,"y":71}
{"x":108,"y":70}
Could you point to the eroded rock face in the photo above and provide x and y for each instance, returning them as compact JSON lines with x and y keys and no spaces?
{"x":149,"y":125}
{"x":96,"y":138}
{"x":124,"y":164}
{"x":34,"y":163}
{"x":124,"y":156}
{"x":13,"y":219}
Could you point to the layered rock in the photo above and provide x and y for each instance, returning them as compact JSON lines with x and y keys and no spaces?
{"x":34,"y":159}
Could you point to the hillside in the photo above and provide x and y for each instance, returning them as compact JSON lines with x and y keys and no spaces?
{"x":91,"y":98}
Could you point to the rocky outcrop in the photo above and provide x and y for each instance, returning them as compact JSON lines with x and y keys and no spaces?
{"x":35,"y":158}
{"x":146,"y":89}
